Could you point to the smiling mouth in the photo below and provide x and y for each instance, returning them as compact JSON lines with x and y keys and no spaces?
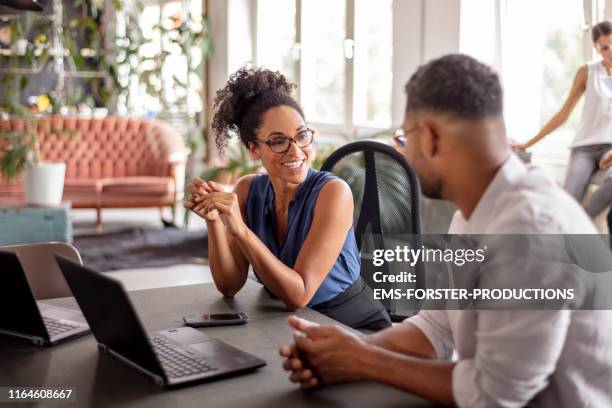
{"x":294,"y":164}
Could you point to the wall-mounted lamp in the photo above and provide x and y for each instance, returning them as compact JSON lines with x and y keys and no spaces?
{"x":29,"y":5}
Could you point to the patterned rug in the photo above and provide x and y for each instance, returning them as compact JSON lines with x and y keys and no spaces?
{"x":142,"y":248}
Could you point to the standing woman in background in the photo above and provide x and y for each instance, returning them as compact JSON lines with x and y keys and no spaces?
{"x":594,"y":137}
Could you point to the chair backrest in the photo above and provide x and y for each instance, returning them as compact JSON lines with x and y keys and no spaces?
{"x":386,"y":194}
{"x":38,"y":263}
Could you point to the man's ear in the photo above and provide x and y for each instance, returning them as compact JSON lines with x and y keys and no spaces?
{"x":430,"y":141}
{"x":253,"y":151}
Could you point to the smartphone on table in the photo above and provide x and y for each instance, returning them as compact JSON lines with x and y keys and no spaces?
{"x":215,"y":319}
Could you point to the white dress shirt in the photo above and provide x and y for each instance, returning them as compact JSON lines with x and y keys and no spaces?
{"x":514,"y":358}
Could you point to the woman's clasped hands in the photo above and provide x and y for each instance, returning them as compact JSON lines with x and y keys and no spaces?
{"x":211,"y":202}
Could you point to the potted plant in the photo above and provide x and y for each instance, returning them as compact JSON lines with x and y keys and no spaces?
{"x":20,"y":153}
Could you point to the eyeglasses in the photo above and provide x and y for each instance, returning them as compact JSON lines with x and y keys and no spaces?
{"x":400,"y":137}
{"x":282,"y":144}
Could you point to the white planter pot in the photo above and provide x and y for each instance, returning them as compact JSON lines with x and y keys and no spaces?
{"x":21,"y":46}
{"x":44,"y":184}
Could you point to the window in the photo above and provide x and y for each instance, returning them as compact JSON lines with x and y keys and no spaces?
{"x":277,"y":48}
{"x":172,"y":87}
{"x":540,"y":57}
{"x":339,"y":52}
{"x":373,"y":63}
{"x":478,"y":35}
{"x":323,"y":79}
{"x":537,"y":48}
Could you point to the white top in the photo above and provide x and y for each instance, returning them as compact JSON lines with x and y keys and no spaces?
{"x":546,"y":358}
{"x":596,"y":122}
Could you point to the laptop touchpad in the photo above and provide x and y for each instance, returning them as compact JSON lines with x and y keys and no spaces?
{"x":207,"y":348}
{"x":221,"y":354}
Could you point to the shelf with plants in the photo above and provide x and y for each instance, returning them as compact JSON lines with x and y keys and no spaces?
{"x":35,"y":46}
{"x":65,"y":46}
{"x":101,"y":63}
{"x":94,"y":50}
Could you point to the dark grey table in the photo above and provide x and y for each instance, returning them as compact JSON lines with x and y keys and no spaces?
{"x":101,"y":380}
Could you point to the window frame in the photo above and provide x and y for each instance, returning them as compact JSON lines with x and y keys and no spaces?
{"x":348,"y":126}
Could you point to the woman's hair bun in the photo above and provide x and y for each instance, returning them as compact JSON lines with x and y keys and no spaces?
{"x":248,"y":93}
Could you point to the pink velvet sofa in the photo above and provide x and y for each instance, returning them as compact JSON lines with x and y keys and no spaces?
{"x":110,"y":163}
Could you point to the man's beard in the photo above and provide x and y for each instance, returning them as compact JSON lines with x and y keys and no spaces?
{"x":431,"y":188}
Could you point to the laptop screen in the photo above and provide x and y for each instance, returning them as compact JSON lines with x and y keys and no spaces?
{"x":110,"y":314}
{"x":19,"y":311}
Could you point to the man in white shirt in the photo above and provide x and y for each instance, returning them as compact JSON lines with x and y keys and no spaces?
{"x":455,"y":140}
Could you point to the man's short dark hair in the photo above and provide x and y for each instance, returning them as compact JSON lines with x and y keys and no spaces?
{"x":455,"y":84}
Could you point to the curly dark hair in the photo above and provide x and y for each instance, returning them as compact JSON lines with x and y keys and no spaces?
{"x":247,"y":95}
{"x":457,"y":84}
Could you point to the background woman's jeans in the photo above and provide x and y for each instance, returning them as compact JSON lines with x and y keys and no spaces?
{"x":584,"y":161}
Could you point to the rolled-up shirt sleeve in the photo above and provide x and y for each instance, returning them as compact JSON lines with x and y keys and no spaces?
{"x":516,"y":352}
{"x":436,"y":327}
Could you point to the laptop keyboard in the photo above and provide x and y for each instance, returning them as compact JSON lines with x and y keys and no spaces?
{"x":54,"y":327}
{"x":176,"y":364}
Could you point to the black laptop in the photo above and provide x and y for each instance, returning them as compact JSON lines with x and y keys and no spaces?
{"x":22,"y":316}
{"x":170,"y":357}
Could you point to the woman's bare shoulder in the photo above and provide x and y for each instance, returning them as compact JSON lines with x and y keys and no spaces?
{"x":336,"y":193}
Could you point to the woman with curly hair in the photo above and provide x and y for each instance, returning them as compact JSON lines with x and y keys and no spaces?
{"x":293,"y":225}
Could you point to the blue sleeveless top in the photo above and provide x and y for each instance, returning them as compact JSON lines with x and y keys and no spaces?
{"x":262,"y":221}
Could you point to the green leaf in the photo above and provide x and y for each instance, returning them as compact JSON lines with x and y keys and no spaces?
{"x":14,"y":161}
{"x":23,"y":82}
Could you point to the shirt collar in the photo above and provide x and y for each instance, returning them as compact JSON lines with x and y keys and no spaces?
{"x":303,"y":187}
{"x":484,"y":212}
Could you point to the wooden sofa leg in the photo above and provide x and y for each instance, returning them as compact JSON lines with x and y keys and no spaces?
{"x":172,"y":222}
{"x":99,"y":219}
{"x":173,"y":208}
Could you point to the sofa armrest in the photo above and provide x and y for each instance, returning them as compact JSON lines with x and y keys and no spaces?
{"x":178,"y":167}
{"x":177,"y":160}
{"x":178,"y":156}
{"x":173,"y":148}
{"x":178,"y":170}
{"x":174,"y":153}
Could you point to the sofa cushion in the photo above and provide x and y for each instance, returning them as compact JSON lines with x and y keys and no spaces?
{"x":82,"y":193}
{"x":137,"y":191}
{"x":80,"y":186}
{"x":140,"y":185}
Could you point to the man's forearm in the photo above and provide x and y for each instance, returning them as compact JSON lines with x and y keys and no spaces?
{"x":404,"y":338}
{"x":427,"y":378}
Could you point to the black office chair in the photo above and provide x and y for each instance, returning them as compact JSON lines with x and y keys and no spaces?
{"x":386,"y":194}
